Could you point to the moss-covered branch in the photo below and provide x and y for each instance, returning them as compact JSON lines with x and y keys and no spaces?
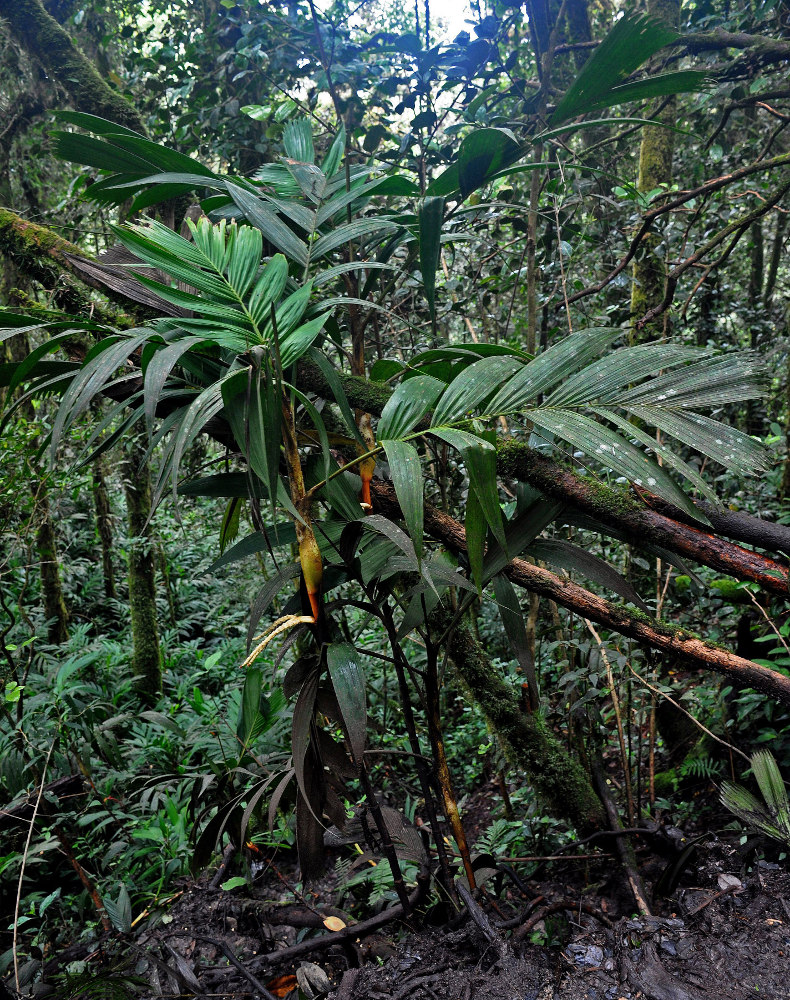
{"x":67,"y":272}
{"x":47,"y":258}
{"x":48,"y":42}
{"x":617,"y":509}
{"x":628,"y":621}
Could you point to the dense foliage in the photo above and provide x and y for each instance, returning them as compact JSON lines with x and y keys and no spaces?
{"x":442,"y":385}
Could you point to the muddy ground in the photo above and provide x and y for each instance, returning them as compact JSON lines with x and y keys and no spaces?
{"x":723,"y":933}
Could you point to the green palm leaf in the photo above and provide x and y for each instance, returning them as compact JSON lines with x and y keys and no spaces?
{"x":725,"y":445}
{"x":613,"y":451}
{"x":551,"y":367}
{"x":605,"y":379}
{"x":630,"y":43}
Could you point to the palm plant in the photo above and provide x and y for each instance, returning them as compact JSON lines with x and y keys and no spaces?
{"x":772,"y":815}
{"x":246,"y":300}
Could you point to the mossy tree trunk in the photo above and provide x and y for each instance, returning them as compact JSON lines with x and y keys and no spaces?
{"x":655,"y":168}
{"x":558,"y":779}
{"x":101,"y":503}
{"x":52,"y":597}
{"x":146,"y":658}
{"x":48,"y":42}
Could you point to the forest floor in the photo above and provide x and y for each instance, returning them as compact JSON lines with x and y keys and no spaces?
{"x":721,"y":935}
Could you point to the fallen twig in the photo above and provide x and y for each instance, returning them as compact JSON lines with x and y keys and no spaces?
{"x":350,"y":933}
{"x":561,"y":904}
{"x":624,"y":849}
{"x":227,"y":856}
{"x":228,"y":952}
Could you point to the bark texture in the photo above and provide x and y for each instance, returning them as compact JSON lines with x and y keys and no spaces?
{"x":146,"y":660}
{"x":628,"y":621}
{"x":48,"y":42}
{"x":101,"y":503}
{"x":49,"y":569}
{"x":559,"y":780}
{"x":655,"y":168}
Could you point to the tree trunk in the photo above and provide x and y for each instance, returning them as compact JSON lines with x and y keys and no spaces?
{"x":101,"y":501}
{"x":49,"y":568}
{"x":557,"y":778}
{"x":146,"y":662}
{"x":655,"y":169}
{"x":48,"y":42}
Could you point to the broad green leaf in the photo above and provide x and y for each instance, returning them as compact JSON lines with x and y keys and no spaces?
{"x":614,"y":452}
{"x":551,"y":367}
{"x":668,"y":457}
{"x":272,"y":227}
{"x":207,"y":405}
{"x":408,"y":405}
{"x":303,"y":720}
{"x":330,"y":273}
{"x":482,"y":154}
{"x":269,"y":287}
{"x":725,"y":445}
{"x":772,"y":786}
{"x":395,"y":535}
{"x":310,"y":178}
{"x":605,"y":379}
{"x":566,"y":555}
{"x":298,"y":140}
{"x":299,"y":341}
{"x":92,"y":123}
{"x":280,"y":534}
{"x":711,"y":382}
{"x":629,"y":44}
{"x":358,"y":229}
{"x":159,"y":369}
{"x":661,"y":85}
{"x":229,"y":529}
{"x":22,"y":370}
{"x":348,"y":681}
{"x":480,"y":459}
{"x":520,"y":533}
{"x":476,"y":528}
{"x":291,"y":310}
{"x":91,"y":379}
{"x":98,"y":153}
{"x":224,"y":484}
{"x":472,"y":386}
{"x":431,"y":216}
{"x":406,"y":473}
{"x":250,"y":705}
{"x":245,"y":259}
{"x":328,"y":370}
{"x":334,"y":156}
{"x":233,"y":883}
{"x":512,"y":616}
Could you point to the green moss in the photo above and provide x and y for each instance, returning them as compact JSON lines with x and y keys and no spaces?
{"x":665,"y":783}
{"x":731,"y":591}
{"x":616,"y":499}
{"x":363,"y":394}
{"x":53,"y":46}
{"x":146,"y":660}
{"x":557,"y":778}
{"x":518,"y":461}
